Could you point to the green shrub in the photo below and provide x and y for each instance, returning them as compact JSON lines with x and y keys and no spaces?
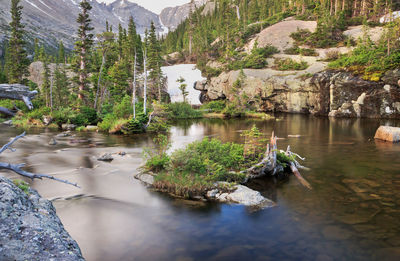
{"x":300,"y":51}
{"x":210,"y":159}
{"x":369,"y":60}
{"x":257,"y":59}
{"x":90,"y":114}
{"x":214,"y":106}
{"x":124,"y":108}
{"x":136,"y":125}
{"x":289,"y":65}
{"x":158,"y":125}
{"x":232,"y":110}
{"x":108,"y":122}
{"x":182,"y":110}
{"x":157,"y":157}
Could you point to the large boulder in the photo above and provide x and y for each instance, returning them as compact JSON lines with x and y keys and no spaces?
{"x":30,"y":228}
{"x":387,"y":133}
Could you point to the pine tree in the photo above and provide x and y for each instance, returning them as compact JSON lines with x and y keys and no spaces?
{"x":183,"y":88}
{"x":154,"y":63}
{"x":61,"y":58}
{"x":17,"y":62}
{"x":83,"y":47}
{"x":36,"y":50}
{"x":46,"y":81}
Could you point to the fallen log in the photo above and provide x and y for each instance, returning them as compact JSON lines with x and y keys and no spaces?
{"x":17,"y":168}
{"x":18,"y":92}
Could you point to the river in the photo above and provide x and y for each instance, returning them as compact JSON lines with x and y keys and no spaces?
{"x":352,"y":213}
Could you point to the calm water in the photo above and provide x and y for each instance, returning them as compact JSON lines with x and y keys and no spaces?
{"x":352,"y":213}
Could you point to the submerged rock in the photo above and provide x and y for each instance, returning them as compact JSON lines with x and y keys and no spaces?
{"x":386,"y":133}
{"x":145,"y":178}
{"x":53,"y":142}
{"x":106,"y":157}
{"x":30,"y":228}
{"x":248,"y":197}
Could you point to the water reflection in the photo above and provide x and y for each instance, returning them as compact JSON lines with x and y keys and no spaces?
{"x":351,"y":214}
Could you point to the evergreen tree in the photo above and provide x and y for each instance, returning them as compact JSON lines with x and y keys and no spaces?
{"x":183,"y":88}
{"x":36,"y":50}
{"x":46,"y":81}
{"x":17,"y":62}
{"x":154,"y":63}
{"x":61,"y":58}
{"x":83,"y":47}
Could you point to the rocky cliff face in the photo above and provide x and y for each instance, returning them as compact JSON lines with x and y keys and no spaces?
{"x":30,"y":228}
{"x":337,"y":94}
{"x":171,"y":17}
{"x":52,"y":21}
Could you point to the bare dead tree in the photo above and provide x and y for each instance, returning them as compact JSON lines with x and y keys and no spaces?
{"x":17,"y":168}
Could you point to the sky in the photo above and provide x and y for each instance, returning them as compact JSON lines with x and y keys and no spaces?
{"x":154,"y":5}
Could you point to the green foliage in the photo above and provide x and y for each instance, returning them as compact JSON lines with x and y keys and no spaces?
{"x":136,"y":125}
{"x":214,"y":106}
{"x":369,"y":59}
{"x":211,"y":160}
{"x":124,"y":108}
{"x":182,"y":110}
{"x":108,"y":122}
{"x":157,"y":157}
{"x":256,"y":60}
{"x":22,"y":185}
{"x":301,"y":51}
{"x":158,"y":125}
{"x":254,"y":143}
{"x":284,"y":160}
{"x":290,"y":65}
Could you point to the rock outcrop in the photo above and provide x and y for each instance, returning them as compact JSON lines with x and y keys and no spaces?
{"x":30,"y":228}
{"x":315,"y":91}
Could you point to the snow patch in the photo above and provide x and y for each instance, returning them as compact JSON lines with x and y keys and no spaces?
{"x":191,"y":74}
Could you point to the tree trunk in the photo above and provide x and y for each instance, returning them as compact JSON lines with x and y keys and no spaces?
{"x":103,"y":61}
{"x":145,"y":81}
{"x":134,"y":87}
{"x":18,"y":92}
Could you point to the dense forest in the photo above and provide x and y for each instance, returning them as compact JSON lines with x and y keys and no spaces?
{"x":96,"y":82}
{"x":110,"y":77}
{"x":220,"y":33}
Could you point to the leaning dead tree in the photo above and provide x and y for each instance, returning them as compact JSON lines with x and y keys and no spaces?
{"x":16,"y":92}
{"x":270,"y":166}
{"x":17,"y":168}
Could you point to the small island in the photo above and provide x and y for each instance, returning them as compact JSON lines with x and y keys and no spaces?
{"x":211,"y":170}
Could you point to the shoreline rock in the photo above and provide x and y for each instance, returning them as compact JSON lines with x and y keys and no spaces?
{"x":30,"y":228}
{"x":387,"y":133}
{"x":321,"y":93}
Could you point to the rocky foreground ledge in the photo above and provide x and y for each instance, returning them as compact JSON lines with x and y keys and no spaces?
{"x":30,"y":228}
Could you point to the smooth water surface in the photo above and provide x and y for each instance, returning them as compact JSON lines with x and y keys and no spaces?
{"x":352,"y":213}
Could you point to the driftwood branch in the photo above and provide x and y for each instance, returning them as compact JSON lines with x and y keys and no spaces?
{"x":17,"y":168}
{"x":6,"y":112}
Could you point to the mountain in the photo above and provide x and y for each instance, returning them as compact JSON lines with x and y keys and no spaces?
{"x":53,"y":20}
{"x":171,"y":17}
